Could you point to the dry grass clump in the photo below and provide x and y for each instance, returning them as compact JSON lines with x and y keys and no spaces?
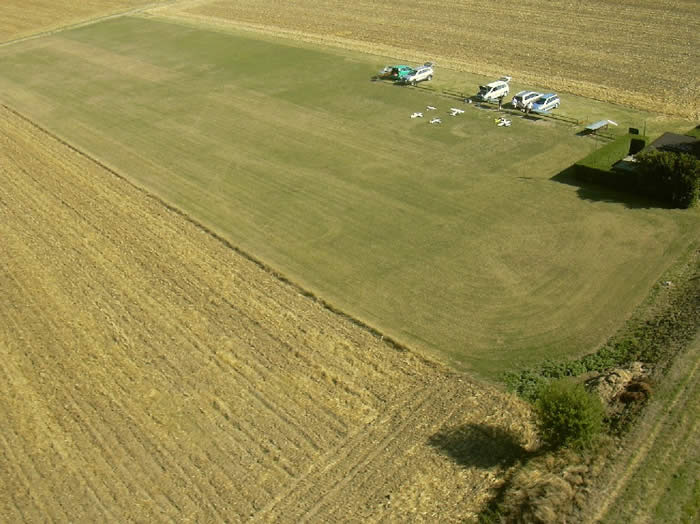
{"x":547,"y":489}
{"x":612,"y":383}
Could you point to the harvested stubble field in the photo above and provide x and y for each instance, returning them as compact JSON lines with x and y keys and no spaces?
{"x":151,"y":373}
{"x":642,"y":53}
{"x":20,"y":18}
{"x":455,"y":239}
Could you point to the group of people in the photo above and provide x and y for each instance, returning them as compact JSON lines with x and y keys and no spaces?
{"x":526,"y":108}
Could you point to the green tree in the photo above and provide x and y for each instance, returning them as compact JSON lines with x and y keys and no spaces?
{"x":568,"y":415}
{"x":675,"y":177}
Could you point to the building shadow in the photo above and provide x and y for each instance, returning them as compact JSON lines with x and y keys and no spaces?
{"x":598,"y":193}
{"x":479,"y":445}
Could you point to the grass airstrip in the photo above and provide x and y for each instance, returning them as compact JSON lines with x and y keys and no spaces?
{"x":459,"y":239}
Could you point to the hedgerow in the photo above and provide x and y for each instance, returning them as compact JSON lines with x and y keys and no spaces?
{"x":654,"y":341}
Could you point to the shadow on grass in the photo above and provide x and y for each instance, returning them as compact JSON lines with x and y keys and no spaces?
{"x":599,"y":193}
{"x":479,"y":445}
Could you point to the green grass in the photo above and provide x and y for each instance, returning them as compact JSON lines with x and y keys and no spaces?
{"x":453,"y":238}
{"x":665,"y":486}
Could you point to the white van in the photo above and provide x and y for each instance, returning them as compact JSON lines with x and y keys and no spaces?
{"x":495,"y":90}
{"x":523,"y":98}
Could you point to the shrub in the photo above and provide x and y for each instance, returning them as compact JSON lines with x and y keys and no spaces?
{"x":568,"y":415}
{"x":674,"y":177}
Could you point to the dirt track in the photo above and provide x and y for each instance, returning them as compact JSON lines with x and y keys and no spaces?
{"x":148,"y":372}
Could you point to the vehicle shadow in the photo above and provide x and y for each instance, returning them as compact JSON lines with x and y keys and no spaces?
{"x":598,"y":193}
{"x":479,"y":445}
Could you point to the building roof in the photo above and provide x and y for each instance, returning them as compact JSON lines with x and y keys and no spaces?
{"x":676,"y":143}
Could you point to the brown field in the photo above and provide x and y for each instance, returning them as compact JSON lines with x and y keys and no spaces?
{"x":641,"y":53}
{"x":148,"y":372}
{"x":20,"y":18}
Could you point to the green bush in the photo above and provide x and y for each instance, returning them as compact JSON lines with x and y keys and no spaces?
{"x":568,"y":415}
{"x":674,"y":177}
{"x":667,"y":176}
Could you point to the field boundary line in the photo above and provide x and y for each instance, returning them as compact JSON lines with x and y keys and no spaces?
{"x":391,"y":341}
{"x":383,"y":50}
{"x":87,"y":22}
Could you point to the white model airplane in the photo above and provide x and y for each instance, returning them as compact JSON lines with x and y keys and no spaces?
{"x":503,"y":122}
{"x":454,"y":111}
{"x":436,"y":121}
{"x":431,"y":108}
{"x":417,"y":115}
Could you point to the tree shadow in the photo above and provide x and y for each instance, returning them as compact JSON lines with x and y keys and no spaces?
{"x":598,"y":193}
{"x":479,"y":445}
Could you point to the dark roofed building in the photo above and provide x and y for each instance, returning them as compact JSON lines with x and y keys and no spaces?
{"x":677,"y":144}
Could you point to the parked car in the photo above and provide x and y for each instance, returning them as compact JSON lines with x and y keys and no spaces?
{"x":395,"y":72}
{"x":419,"y":75}
{"x":494,"y":90}
{"x":523,"y":98}
{"x":546,"y":102}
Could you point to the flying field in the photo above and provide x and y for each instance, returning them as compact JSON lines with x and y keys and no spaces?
{"x":241,"y":283}
{"x":455,"y":239}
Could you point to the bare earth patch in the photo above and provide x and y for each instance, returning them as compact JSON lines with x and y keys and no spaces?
{"x":148,"y":372}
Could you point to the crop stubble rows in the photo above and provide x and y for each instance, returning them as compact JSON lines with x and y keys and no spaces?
{"x":149,"y":372}
{"x":642,"y":53}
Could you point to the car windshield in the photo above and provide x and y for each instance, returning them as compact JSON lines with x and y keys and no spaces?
{"x":541,"y":100}
{"x":483,"y":89}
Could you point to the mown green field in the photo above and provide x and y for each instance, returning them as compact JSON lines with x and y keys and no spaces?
{"x":454,"y":238}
